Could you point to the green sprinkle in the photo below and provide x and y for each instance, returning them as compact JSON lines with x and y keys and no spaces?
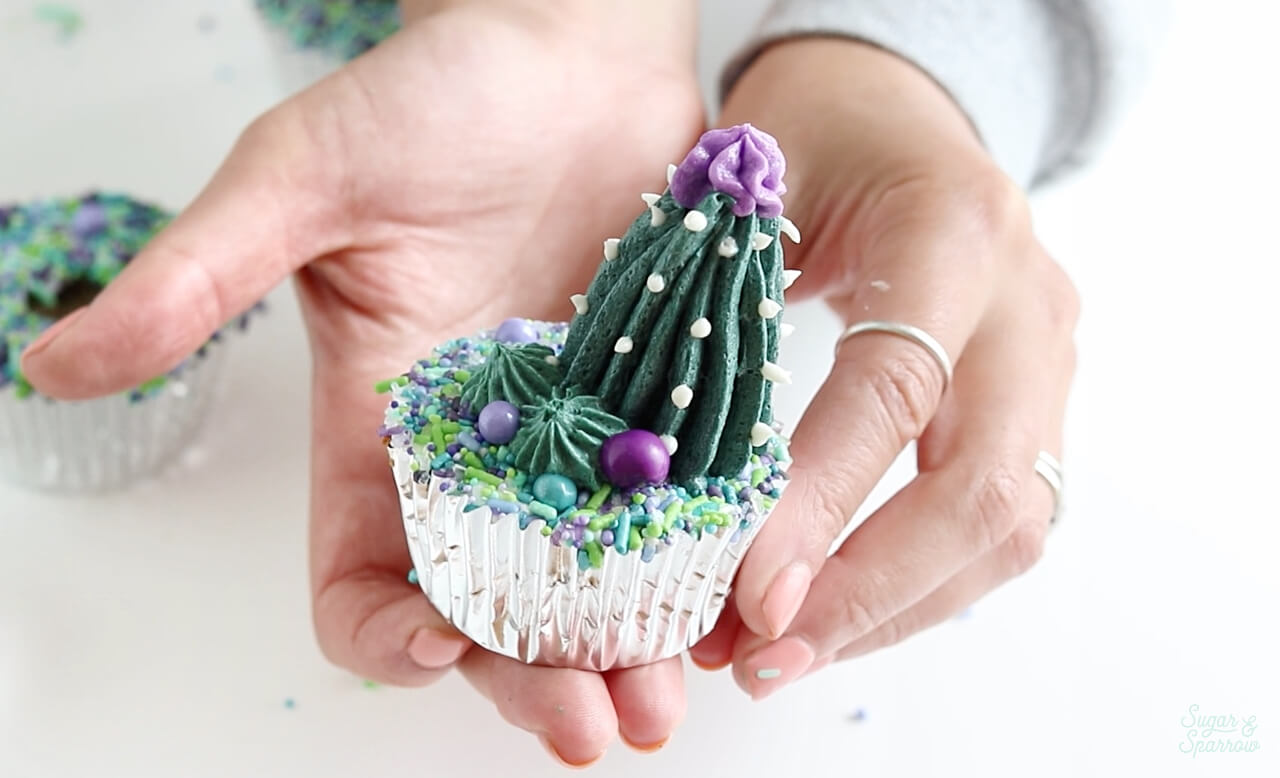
{"x":437,"y":437}
{"x":451,"y":427}
{"x":595,"y":553}
{"x":542,"y":509}
{"x":382,"y":387}
{"x":637,"y":498}
{"x":673,"y":510}
{"x":461,"y":376}
{"x":636,"y":542}
{"x":757,"y":476}
{"x":471,"y":459}
{"x":489,"y":478}
{"x":598,"y":497}
{"x":547,"y":529}
{"x":371,"y":684}
{"x":600,"y":522}
{"x":695,"y":502}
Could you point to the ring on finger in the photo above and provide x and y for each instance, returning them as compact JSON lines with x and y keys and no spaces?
{"x":911,"y":333}
{"x":1050,"y":469}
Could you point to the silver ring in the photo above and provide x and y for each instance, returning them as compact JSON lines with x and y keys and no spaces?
{"x":911,"y":333}
{"x":1050,"y":469}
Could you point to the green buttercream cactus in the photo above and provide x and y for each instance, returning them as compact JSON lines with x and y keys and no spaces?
{"x":678,"y":332}
{"x":518,"y":374}
{"x":563,"y":434}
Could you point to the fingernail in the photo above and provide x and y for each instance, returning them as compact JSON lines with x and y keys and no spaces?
{"x":649,"y":749}
{"x":776,"y":665}
{"x":710,"y":667}
{"x":48,"y":336}
{"x":556,"y":755}
{"x":433,"y":651}
{"x":784,"y":597}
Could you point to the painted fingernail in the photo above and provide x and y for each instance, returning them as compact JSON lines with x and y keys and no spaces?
{"x":776,"y":665}
{"x":644,"y":749}
{"x":48,"y":336}
{"x":784,"y":597}
{"x":556,"y":755}
{"x":434,"y":651}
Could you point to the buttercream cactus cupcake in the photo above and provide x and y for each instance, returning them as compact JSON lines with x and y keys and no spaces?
{"x":581,"y":494}
{"x":313,"y":37}
{"x":55,"y":255}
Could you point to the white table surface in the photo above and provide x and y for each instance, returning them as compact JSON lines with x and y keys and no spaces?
{"x":160,"y":631}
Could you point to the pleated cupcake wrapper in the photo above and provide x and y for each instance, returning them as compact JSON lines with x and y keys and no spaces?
{"x":105,"y":443}
{"x":515,"y":593}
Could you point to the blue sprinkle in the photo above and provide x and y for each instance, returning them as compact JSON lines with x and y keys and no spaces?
{"x":466,"y":439}
{"x":647,"y":552}
{"x":289,"y":703}
{"x":858,"y":715}
{"x":502,"y":506}
{"x":413,"y":575}
{"x":525,"y":520}
{"x":584,"y":561}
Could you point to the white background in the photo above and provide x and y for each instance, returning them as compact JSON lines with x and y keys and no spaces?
{"x":159,"y":632}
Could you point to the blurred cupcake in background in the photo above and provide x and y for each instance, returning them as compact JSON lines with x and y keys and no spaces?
{"x":312,"y":38}
{"x":55,"y":256}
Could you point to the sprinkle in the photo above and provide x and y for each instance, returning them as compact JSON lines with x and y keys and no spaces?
{"x":760,"y":433}
{"x":289,"y":703}
{"x":670,"y":443}
{"x":650,"y":199}
{"x":611,"y":248}
{"x":768,"y":308}
{"x":767,"y":673}
{"x":542,"y":510}
{"x":681,"y":396}
{"x":412,"y":577}
{"x":477,"y":474}
{"x":785,"y":329}
{"x":700,"y":328}
{"x":789,"y":229}
{"x":789,"y":277}
{"x":580,"y":304}
{"x":695,"y":221}
{"x":371,"y":684}
{"x":880,"y":286}
{"x":671,"y":172}
{"x":655,"y":283}
{"x":598,"y":497}
{"x":552,"y":359}
{"x":658,"y":217}
{"x":760,"y":241}
{"x":775,"y":373}
{"x":623,"y":345}
{"x":503,"y":506}
{"x":728,"y":247}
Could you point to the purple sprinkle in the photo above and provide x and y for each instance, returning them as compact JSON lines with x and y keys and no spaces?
{"x":714,"y":491}
{"x":606,"y":538}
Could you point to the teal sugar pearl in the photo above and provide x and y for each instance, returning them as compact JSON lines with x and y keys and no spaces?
{"x":555,"y":490}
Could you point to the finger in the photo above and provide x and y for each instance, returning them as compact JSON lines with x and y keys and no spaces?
{"x":715,"y":651}
{"x":976,"y":461}
{"x":368,"y":617}
{"x":268,"y":209}
{"x":650,"y":702}
{"x":1017,"y":554}
{"x":570,"y":710}
{"x":880,"y":394}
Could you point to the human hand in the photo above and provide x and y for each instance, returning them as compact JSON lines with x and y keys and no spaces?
{"x":462,"y":172}
{"x":906,"y":219}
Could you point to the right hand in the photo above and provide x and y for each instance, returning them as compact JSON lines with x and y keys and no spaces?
{"x":464,"y":171}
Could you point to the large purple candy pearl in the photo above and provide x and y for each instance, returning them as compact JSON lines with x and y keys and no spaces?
{"x":499,"y":421}
{"x":515,"y":331}
{"x":634,"y":457}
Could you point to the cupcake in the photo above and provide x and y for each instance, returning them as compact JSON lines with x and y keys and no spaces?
{"x":312,"y":38}
{"x":55,"y":255}
{"x":581,"y":494}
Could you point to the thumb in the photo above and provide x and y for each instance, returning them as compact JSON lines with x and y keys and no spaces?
{"x":262,"y":216}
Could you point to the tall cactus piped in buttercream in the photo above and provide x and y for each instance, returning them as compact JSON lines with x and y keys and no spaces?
{"x":678,"y":332}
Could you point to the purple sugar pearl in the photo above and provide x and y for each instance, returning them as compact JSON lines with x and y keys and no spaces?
{"x":89,"y":219}
{"x":515,"y":330}
{"x":633,"y":458}
{"x":499,"y":421}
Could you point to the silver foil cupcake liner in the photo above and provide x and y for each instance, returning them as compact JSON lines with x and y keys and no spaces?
{"x":515,"y":593}
{"x":108,"y":442}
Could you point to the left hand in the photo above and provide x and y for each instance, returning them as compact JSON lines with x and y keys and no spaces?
{"x":906,"y":218}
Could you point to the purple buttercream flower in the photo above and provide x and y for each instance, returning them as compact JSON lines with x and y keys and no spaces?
{"x":740,"y":161}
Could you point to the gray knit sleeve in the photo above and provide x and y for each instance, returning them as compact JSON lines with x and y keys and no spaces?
{"x":1043,"y":81}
